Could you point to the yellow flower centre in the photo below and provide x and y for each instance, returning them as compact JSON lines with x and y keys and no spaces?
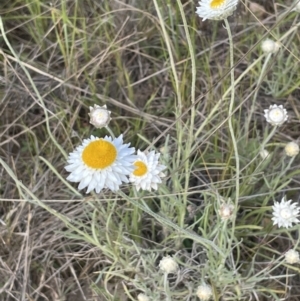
{"x":99,"y":154}
{"x":217,"y":3}
{"x":141,"y":168}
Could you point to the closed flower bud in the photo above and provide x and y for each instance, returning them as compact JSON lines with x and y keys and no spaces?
{"x":291,"y":149}
{"x":99,"y":116}
{"x":226,"y":211}
{"x":264,"y":154}
{"x":142,"y":297}
{"x":292,"y":256}
{"x":269,"y":46}
{"x":204,"y":292}
{"x":168,"y":265}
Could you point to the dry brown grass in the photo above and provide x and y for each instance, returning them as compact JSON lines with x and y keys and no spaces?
{"x":112,"y":52}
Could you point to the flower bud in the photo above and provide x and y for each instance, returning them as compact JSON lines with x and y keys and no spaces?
{"x":291,"y":149}
{"x":269,"y":46}
{"x":264,"y":154}
{"x":292,"y":256}
{"x":99,"y":116}
{"x":204,"y":292}
{"x":142,"y":297}
{"x":226,"y":211}
{"x":168,"y":265}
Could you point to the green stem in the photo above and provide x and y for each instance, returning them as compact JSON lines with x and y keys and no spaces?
{"x":135,"y":219}
{"x":166,"y":286}
{"x":260,"y":79}
{"x":234,"y":143}
{"x":193,"y":111}
{"x":175,"y":77}
{"x":262,"y":147}
{"x":265,"y":142}
{"x":220,"y":101}
{"x":110,"y":132}
{"x":188,"y":233}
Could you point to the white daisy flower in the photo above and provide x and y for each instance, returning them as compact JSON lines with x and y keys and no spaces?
{"x":148,"y":171}
{"x":216,"y":9}
{"x":276,"y":115}
{"x":99,"y":116}
{"x":269,"y":46}
{"x":168,"y":265}
{"x":292,"y":149}
{"x":285,"y":213}
{"x":204,"y":292}
{"x":101,"y":163}
{"x":291,"y":256}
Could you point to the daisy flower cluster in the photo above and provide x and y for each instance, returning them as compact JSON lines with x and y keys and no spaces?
{"x":107,"y":162}
{"x":285,"y":213}
{"x":100,"y":163}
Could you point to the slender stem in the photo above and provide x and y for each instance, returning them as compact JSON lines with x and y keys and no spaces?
{"x":287,"y":168}
{"x":166,"y":287}
{"x":234,"y":143}
{"x":135,"y":219}
{"x":260,"y":79}
{"x":110,"y":132}
{"x":193,"y":109}
{"x":262,"y":147}
{"x":220,"y":101}
{"x":175,"y":76}
{"x":268,"y":138}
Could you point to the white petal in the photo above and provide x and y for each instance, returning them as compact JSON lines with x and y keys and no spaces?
{"x":96,"y":179}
